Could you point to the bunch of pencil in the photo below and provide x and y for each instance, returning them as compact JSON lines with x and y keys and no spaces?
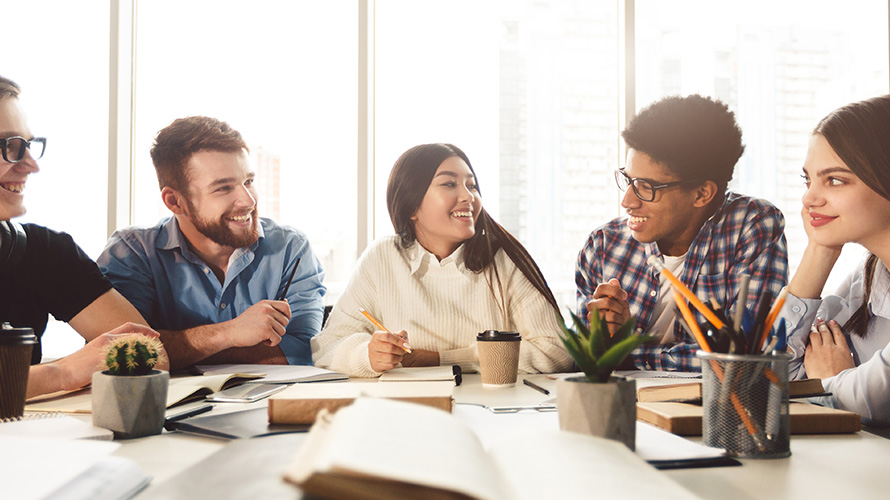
{"x":746,"y":333}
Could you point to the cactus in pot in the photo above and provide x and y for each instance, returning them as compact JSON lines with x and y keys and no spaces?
{"x":133,"y":354}
{"x":130,"y":396}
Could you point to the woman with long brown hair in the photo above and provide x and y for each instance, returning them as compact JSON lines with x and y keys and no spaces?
{"x":844,"y":338}
{"x":449,"y":273}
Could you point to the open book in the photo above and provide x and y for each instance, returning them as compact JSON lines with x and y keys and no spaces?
{"x":186,"y":389}
{"x":276,"y":374}
{"x":300,"y":404}
{"x":180,"y":391}
{"x":690,"y":392}
{"x":417,"y":452}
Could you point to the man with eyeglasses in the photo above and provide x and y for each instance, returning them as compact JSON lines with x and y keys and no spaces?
{"x":44,"y":272}
{"x":220,"y":283}
{"x":681,"y":155}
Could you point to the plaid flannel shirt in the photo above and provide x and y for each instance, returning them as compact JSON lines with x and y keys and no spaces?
{"x":746,"y":235}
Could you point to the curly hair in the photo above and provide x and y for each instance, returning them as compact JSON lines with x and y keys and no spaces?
{"x":696,"y":137}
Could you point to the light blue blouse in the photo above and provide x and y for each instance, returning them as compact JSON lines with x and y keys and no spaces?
{"x":864,"y":389}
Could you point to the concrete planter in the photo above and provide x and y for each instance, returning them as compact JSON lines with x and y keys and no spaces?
{"x":131,"y":406}
{"x":606,"y":410}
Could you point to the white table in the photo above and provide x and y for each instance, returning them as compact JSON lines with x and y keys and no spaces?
{"x":821,"y":466}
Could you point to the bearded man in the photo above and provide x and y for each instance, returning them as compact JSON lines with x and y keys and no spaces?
{"x":209,"y":278}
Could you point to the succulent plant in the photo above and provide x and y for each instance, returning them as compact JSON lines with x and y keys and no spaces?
{"x":133,"y":354}
{"x":596,"y":352}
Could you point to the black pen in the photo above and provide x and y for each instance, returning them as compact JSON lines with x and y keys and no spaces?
{"x":289,"y":280}
{"x":535,"y":386}
{"x":186,"y":413}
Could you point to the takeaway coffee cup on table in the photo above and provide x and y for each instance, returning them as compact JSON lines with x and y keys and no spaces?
{"x":498,"y":357}
{"x":16,"y":345}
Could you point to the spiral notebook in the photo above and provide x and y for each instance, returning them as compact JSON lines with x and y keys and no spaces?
{"x":53,"y":425}
{"x":423,"y":374}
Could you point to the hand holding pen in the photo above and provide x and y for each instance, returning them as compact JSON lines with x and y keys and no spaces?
{"x":386,"y":349}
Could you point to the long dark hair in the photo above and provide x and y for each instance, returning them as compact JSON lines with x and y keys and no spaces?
{"x":859,"y":134}
{"x":412,"y":174}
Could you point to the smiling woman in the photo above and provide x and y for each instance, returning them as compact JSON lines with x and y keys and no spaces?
{"x":448,"y":254}
{"x":847,"y":201}
{"x":444,"y":219}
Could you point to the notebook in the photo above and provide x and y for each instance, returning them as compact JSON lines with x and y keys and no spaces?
{"x":276,"y":374}
{"x":53,"y":425}
{"x":180,"y":391}
{"x":422,"y":374}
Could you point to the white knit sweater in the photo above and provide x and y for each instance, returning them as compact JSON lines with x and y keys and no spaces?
{"x":442,"y":306}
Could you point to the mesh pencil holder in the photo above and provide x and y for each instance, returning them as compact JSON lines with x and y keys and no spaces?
{"x":745,"y":404}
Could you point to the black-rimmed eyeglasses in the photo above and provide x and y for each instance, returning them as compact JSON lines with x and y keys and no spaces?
{"x":13,"y":148}
{"x":643,"y":188}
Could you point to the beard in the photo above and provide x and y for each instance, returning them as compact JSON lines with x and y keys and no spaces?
{"x":218,"y":231}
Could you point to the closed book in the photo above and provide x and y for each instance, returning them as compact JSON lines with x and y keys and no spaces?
{"x":690,"y":392}
{"x":300,"y":404}
{"x":685,"y":419}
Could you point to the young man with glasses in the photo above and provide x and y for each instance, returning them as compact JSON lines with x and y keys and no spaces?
{"x":44,"y":272}
{"x":681,"y":155}
{"x":221,"y":284}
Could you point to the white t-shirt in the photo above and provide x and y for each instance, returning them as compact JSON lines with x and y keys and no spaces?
{"x":665,"y":309}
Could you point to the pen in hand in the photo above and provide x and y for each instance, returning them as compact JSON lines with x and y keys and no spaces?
{"x":380,"y":326}
{"x":289,"y":280}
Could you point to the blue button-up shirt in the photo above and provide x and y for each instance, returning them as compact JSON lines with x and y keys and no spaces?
{"x":174,"y":289}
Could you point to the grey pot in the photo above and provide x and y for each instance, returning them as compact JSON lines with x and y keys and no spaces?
{"x":607,"y":410}
{"x":130,"y":405}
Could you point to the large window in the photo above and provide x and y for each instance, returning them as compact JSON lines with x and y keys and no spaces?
{"x":65,"y":98}
{"x":532,"y":90}
{"x":284,"y":75}
{"x":781,"y":73}
{"x":529,"y":90}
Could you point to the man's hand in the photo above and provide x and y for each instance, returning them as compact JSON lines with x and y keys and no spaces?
{"x":264,"y":322}
{"x":611,"y":301}
{"x":827,"y":352}
{"x":76,"y":370}
{"x":386,"y":350}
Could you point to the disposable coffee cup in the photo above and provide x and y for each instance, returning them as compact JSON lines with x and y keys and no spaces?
{"x":16,"y":345}
{"x":498,"y":357}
